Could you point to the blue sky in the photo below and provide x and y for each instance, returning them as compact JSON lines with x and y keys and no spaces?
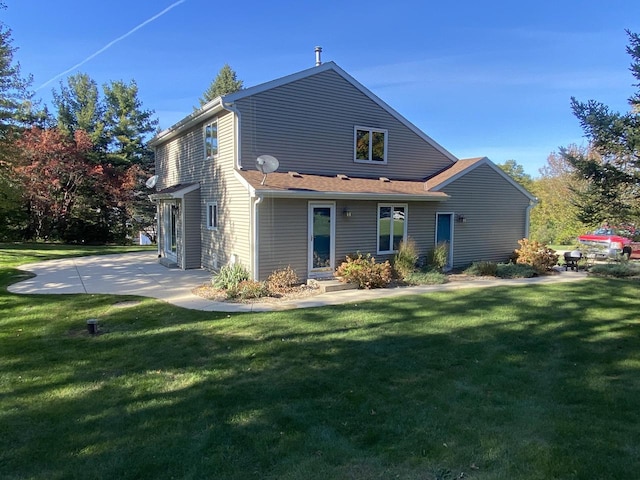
{"x":481,"y":78}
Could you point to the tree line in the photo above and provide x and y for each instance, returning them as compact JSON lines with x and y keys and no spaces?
{"x":581,"y":188}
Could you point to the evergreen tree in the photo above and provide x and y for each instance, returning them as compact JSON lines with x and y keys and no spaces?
{"x":612,"y":169}
{"x":79,"y":107}
{"x":226,"y":82}
{"x":16,"y":110}
{"x":127,"y":123}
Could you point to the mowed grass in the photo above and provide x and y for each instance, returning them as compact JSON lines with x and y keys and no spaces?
{"x":534,"y":382}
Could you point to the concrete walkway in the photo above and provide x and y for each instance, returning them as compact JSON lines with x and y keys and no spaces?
{"x":140,"y":274}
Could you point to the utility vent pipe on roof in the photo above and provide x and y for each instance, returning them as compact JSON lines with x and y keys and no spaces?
{"x":318,"y":59}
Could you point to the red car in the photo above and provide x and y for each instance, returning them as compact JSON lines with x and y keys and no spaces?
{"x":610,"y":242}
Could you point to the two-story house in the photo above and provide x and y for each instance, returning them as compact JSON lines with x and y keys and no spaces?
{"x":352,"y":175}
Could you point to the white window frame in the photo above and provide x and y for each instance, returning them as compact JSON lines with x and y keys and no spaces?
{"x":393,"y":206}
{"x":371,"y":131}
{"x":214,"y":125}
{"x":213,"y":216}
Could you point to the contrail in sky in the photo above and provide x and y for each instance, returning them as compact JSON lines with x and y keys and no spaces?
{"x":113,"y":42}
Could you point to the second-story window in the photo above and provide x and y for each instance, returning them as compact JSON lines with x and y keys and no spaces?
{"x":370,"y":145}
{"x":211,"y":140}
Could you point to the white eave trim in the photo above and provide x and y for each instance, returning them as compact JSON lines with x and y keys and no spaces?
{"x":178,"y":194}
{"x":207,"y":111}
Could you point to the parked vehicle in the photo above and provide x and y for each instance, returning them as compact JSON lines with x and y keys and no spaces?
{"x":611,"y":242}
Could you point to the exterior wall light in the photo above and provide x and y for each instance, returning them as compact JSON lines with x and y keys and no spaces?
{"x":346,"y":212}
{"x":461,"y":218}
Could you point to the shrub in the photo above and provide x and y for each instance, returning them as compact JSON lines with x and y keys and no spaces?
{"x":248,"y":289}
{"x":405,"y":261}
{"x":426,"y":278}
{"x":619,"y":270}
{"x":482,"y":269}
{"x":437,"y":258}
{"x":230,"y":276}
{"x":536,"y":254}
{"x":364,"y":271}
{"x":515,"y":270}
{"x":282,"y":280}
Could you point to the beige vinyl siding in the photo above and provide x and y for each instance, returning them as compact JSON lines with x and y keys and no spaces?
{"x":309,"y":126}
{"x":182,"y":161}
{"x":191,"y":229}
{"x":283,"y":230}
{"x":219,"y":184}
{"x":495,"y":213}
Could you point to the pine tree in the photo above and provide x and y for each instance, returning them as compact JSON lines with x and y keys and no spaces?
{"x":226,"y":82}
{"x":612,"y":169}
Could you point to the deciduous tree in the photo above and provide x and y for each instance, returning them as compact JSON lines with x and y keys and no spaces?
{"x":54,"y":170}
{"x":554,"y":219}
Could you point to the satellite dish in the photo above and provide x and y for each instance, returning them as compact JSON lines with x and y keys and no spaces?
{"x":151,"y":182}
{"x":266,"y":164}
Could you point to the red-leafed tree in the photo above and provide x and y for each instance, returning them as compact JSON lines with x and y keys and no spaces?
{"x":55,"y":176}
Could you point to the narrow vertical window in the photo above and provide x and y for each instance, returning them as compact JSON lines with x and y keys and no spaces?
{"x":211,"y":140}
{"x":392,"y":227}
{"x":212,"y":216}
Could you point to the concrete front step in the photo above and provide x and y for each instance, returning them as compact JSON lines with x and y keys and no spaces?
{"x":331,"y":285}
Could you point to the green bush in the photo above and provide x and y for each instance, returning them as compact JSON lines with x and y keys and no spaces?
{"x":482,"y":269}
{"x":405,"y":261}
{"x":515,"y":270}
{"x":426,"y":278}
{"x":282,"y":280}
{"x":248,"y":289}
{"x":437,"y":258}
{"x":364,"y":271}
{"x":536,"y":254}
{"x":230,"y":276}
{"x":619,"y":270}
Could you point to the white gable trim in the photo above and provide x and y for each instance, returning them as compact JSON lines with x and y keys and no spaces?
{"x":498,"y":170}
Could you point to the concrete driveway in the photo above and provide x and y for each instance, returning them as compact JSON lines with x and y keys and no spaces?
{"x":140,"y":274}
{"x":136,"y":273}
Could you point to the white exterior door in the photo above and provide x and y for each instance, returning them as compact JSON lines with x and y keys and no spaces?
{"x":321,"y":239}
{"x":171,"y":231}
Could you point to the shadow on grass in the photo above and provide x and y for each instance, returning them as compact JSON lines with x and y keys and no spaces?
{"x":525,"y":382}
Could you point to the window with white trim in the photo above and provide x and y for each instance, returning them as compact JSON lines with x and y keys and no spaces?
{"x":212,"y":215}
{"x":211,"y":140}
{"x":370,"y":145}
{"x":392,"y":227}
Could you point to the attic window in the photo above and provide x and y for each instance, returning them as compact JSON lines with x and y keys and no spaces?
{"x":370,"y":145}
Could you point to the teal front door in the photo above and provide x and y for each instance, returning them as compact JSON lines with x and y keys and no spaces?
{"x":444,"y":234}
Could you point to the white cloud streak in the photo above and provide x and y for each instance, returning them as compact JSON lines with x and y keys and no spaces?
{"x":111,"y":44}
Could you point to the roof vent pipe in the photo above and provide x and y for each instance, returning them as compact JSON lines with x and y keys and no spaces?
{"x":318,"y":60}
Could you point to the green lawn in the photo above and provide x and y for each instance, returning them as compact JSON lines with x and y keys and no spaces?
{"x":535,"y":382}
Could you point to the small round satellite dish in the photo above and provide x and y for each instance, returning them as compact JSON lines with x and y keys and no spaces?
{"x":151,"y":182}
{"x":267,"y":164}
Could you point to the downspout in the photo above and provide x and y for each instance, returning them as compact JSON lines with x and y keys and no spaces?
{"x":236,"y":131}
{"x":532,"y":204}
{"x":254,"y":237}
